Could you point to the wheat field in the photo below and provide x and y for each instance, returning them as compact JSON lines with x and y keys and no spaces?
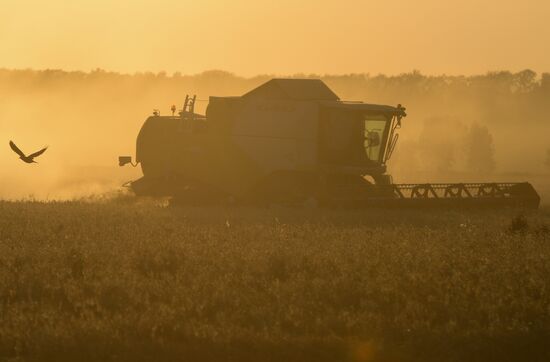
{"x":129,"y":279}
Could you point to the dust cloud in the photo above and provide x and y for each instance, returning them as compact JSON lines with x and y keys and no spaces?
{"x":475,"y":128}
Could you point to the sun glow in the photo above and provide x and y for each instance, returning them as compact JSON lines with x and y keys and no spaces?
{"x":282,"y":37}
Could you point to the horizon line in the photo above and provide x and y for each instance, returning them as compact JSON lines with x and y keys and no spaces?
{"x":175,"y":74}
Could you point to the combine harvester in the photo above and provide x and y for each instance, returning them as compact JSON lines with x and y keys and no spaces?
{"x":290,"y":141}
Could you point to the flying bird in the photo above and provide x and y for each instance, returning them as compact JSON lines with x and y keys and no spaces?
{"x":25,"y":158}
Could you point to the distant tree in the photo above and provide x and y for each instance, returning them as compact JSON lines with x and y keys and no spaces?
{"x":545,"y":82}
{"x":525,"y":81}
{"x":501,"y":82}
{"x":480,"y":151}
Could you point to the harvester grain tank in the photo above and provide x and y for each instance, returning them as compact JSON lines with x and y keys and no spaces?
{"x":291,"y":140}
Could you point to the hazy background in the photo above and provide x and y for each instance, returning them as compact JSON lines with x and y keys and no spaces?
{"x":154,"y":53}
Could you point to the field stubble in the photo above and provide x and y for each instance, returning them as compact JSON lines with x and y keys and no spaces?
{"x":133,"y":280}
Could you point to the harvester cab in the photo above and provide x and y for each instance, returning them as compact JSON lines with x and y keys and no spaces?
{"x":358,"y":137}
{"x":291,"y":140}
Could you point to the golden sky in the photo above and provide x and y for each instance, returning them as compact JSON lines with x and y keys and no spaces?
{"x":249,"y":37}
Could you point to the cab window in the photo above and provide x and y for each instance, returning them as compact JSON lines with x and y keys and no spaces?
{"x":375,"y":128}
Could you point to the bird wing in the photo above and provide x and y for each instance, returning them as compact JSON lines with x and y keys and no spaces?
{"x":16,"y":149}
{"x":38,"y":153}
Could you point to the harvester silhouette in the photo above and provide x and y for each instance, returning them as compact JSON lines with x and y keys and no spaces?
{"x":288,"y":141}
